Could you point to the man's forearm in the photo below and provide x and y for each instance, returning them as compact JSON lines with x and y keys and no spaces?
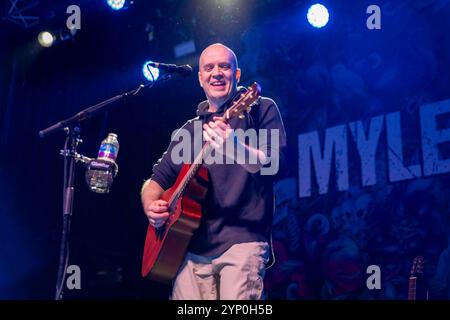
{"x":151,"y":191}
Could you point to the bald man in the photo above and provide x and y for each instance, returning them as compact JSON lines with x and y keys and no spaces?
{"x":229,"y":251}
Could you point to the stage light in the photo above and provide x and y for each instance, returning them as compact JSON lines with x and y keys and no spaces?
{"x":318,"y":15}
{"x":150,"y":71}
{"x":119,"y":4}
{"x":46,"y":39}
{"x":116,"y":4}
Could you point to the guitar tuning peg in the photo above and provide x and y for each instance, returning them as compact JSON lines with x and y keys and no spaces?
{"x":241,"y":116}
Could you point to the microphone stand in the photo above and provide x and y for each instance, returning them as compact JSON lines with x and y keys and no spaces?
{"x":71,"y":127}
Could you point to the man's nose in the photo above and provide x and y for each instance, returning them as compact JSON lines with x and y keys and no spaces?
{"x":217,"y":72}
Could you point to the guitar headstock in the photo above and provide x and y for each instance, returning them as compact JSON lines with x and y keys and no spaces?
{"x":417,"y":266}
{"x":245,"y":102}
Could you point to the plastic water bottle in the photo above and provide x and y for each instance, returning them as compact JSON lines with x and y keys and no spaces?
{"x":101,"y":171}
{"x":109,"y":148}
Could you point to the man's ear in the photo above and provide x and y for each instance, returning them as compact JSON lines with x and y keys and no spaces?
{"x":238,"y":75}
{"x":200,"y":79}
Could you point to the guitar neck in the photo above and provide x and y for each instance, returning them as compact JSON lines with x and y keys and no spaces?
{"x":244,"y":104}
{"x":412,"y":284}
{"x":206,"y":149}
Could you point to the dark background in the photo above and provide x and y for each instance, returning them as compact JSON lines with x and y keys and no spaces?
{"x":319,"y":78}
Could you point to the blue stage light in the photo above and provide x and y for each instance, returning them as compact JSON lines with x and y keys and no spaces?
{"x":318,"y":15}
{"x":116,"y":4}
{"x":150,"y":71}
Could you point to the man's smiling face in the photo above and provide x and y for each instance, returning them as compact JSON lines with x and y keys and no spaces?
{"x":218,"y":74}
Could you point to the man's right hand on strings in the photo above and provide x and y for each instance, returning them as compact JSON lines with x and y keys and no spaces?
{"x":157,"y":213}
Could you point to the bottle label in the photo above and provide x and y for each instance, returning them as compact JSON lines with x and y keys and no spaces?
{"x":107,"y":152}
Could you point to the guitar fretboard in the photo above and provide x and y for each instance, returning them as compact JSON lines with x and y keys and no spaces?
{"x":243,"y":104}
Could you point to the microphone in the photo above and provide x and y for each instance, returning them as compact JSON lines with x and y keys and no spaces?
{"x":101,"y":171}
{"x":183,"y":70}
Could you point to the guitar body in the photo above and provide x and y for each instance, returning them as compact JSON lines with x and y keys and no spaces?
{"x":166,"y":247}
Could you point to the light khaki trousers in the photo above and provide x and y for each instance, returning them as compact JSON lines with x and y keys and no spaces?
{"x":237,"y":274}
